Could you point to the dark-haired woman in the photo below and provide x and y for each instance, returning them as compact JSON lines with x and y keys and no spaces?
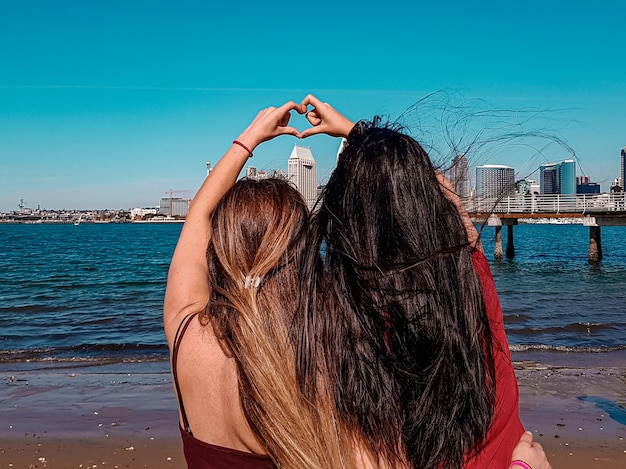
{"x":404,"y":317}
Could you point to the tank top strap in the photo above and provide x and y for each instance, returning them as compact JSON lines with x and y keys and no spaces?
{"x":180,"y":332}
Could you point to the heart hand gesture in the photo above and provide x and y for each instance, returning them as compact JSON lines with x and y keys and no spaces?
{"x":324,"y":119}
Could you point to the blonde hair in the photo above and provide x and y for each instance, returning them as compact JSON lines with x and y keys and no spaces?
{"x":258,"y":231}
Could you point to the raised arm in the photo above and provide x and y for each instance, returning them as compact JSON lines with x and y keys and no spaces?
{"x":187,"y":288}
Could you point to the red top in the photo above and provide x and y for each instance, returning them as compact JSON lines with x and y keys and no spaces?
{"x":506,"y":427}
{"x":201,"y":455}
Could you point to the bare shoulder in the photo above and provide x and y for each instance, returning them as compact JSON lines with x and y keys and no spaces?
{"x":208,"y":380}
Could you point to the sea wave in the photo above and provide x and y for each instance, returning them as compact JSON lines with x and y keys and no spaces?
{"x":577,"y":327}
{"x":565,"y":348}
{"x":110,"y":353}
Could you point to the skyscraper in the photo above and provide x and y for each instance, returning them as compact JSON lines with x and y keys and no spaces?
{"x":302,"y":173}
{"x":568,"y":177}
{"x":459,"y":176}
{"x":558,"y":178}
{"x":622,"y":173}
{"x":494,"y":180}
{"x":549,"y":180}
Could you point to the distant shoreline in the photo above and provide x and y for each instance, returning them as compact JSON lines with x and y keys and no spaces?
{"x":88,"y":222}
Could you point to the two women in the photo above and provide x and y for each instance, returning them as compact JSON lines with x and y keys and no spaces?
{"x":385,"y":351}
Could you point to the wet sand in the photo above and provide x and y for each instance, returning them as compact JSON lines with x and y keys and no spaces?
{"x":125,"y":416}
{"x":575,"y":408}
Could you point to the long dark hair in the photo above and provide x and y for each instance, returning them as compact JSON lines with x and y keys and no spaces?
{"x":396,"y":318}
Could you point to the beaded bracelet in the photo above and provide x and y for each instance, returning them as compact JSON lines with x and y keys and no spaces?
{"x":520,"y":464}
{"x":237,"y":142}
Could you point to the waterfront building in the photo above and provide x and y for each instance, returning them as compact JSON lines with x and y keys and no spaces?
{"x":302,"y":173}
{"x":459,"y":176}
{"x":568,"y":177}
{"x":588,"y":188}
{"x":281,"y":174}
{"x":527,"y":187}
{"x":622,"y":174}
{"x":252,"y":173}
{"x":139,"y":213}
{"x":585,"y":186}
{"x":558,"y":178}
{"x":549,"y":179}
{"x":494,"y":181}
{"x":174,"y":206}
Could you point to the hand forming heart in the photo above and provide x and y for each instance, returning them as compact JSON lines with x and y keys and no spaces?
{"x":272,"y":121}
{"x":324,"y":119}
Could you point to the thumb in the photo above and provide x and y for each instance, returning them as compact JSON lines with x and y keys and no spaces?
{"x":527,"y":437}
{"x":311,"y":131}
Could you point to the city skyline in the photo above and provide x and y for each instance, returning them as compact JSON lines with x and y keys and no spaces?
{"x":465,"y":179}
{"x":112,"y":104}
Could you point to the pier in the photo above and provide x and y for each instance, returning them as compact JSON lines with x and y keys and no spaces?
{"x":595,"y":210}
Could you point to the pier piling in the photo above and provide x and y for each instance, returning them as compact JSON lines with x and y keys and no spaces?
{"x":595,"y":244}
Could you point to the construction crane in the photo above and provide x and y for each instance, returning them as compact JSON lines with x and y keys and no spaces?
{"x":170,"y":192}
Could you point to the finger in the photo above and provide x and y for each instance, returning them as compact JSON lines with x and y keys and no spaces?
{"x":312,"y":100}
{"x":284,"y":120}
{"x":289,"y":106}
{"x":302,"y":108}
{"x":311,"y":131}
{"x":290,"y":131}
{"x":284,"y":112}
{"x":313,"y":118}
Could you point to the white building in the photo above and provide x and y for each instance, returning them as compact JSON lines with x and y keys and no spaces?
{"x":494,"y":181}
{"x":459,"y":176}
{"x":138,"y":213}
{"x":174,"y":206}
{"x":302,"y":173}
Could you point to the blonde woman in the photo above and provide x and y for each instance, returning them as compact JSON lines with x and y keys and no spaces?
{"x":231,"y":296}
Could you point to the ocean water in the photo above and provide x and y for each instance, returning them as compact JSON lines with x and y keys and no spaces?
{"x":552,"y":297}
{"x":94,"y":292}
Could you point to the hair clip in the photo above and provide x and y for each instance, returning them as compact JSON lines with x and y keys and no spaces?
{"x":251,"y":282}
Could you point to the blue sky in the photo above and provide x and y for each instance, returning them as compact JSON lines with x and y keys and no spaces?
{"x":109,"y":104}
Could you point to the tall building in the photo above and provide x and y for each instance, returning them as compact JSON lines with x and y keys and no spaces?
{"x":302,"y":173}
{"x":558,"y":178}
{"x":549,"y":181}
{"x":494,"y":180}
{"x":174,"y":206}
{"x":568,"y":177}
{"x":459,"y":176}
{"x":622,"y":173}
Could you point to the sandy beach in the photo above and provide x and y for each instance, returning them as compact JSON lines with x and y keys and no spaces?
{"x":124,"y":415}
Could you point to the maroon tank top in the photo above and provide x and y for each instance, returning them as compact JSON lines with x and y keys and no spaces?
{"x":201,"y":455}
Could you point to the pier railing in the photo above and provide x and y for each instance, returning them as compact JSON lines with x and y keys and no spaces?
{"x":583,"y":204}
